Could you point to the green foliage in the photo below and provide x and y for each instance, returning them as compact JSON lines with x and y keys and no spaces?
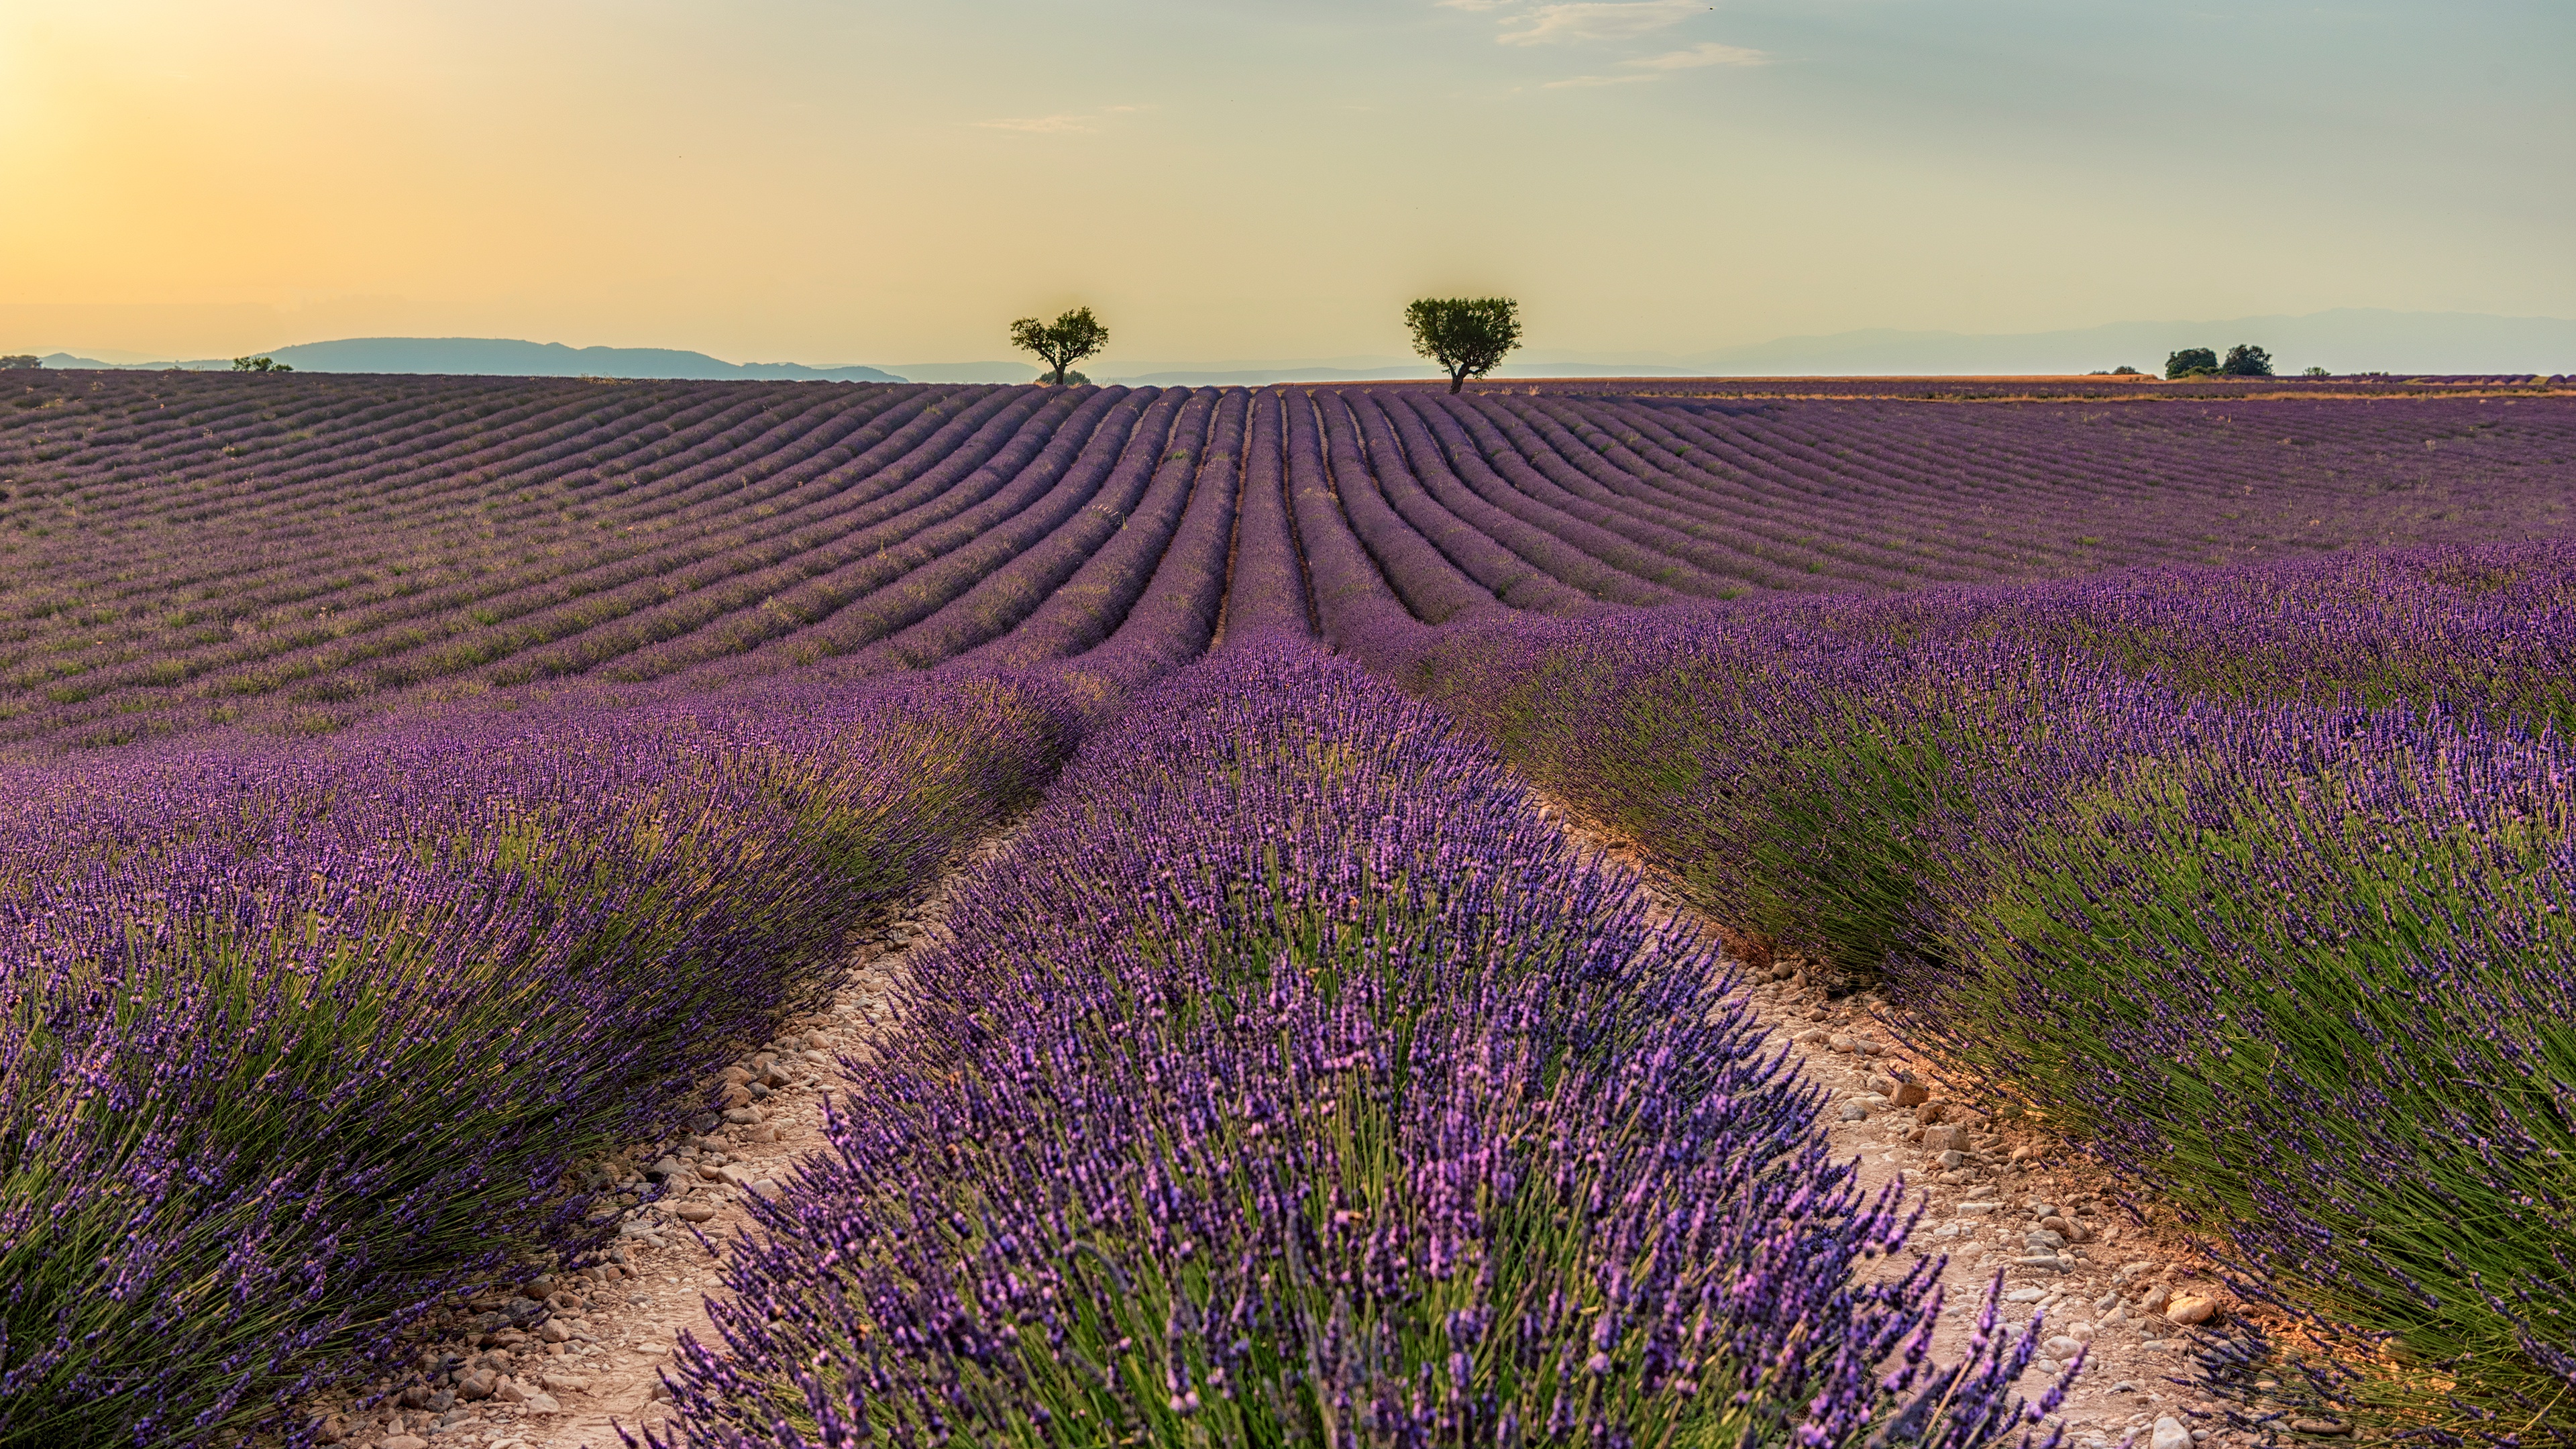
{"x":1469,"y":336}
{"x":259,"y":364}
{"x":2358,"y":972}
{"x":19,"y":362}
{"x":1061,"y":343}
{"x":2316,"y":372}
{"x":2246,"y":360}
{"x":2191,"y":362}
{"x":2125,"y":370}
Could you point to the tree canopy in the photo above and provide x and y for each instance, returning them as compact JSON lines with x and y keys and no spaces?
{"x":259,"y":364}
{"x":1061,"y":343}
{"x":2246,"y":360}
{"x":2192,"y":362}
{"x":1466,"y":335}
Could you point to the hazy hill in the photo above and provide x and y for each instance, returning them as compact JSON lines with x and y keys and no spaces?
{"x":506,"y":357}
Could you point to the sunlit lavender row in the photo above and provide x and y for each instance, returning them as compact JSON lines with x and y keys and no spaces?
{"x":2256,"y":883}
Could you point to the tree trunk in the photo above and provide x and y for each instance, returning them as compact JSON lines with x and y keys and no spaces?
{"x":1457,"y":380}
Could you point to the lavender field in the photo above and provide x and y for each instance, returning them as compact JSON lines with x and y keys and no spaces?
{"x":414,"y":790}
{"x":291,"y":554}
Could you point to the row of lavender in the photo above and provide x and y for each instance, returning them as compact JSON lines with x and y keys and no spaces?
{"x":2253,"y":884}
{"x":1293,"y":1081}
{"x":296,"y":1042}
{"x":296,"y":553}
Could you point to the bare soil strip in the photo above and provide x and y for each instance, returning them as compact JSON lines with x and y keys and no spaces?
{"x":1996,"y":1197}
{"x":571,"y":1359}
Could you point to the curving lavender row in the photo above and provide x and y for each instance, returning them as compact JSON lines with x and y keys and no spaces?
{"x":1294,"y":1081}
{"x":298,"y":553}
{"x":2254,"y":881}
{"x":296,"y":1042}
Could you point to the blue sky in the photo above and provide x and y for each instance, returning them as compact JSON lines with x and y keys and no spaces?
{"x":842,"y":180}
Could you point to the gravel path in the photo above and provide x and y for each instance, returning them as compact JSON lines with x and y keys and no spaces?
{"x":579,"y":1356}
{"x":1997,"y":1198}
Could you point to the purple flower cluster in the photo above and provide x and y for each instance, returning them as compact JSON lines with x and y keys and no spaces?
{"x":293,"y":1042}
{"x":1293,"y":1080}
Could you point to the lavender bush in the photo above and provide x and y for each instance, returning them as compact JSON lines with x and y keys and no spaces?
{"x":293,"y":1043}
{"x":1293,"y":1081}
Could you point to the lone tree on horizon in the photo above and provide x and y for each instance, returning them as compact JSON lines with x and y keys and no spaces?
{"x":1065,"y":341}
{"x":2191,"y":362}
{"x":1466,"y":335}
{"x":2246,"y":360}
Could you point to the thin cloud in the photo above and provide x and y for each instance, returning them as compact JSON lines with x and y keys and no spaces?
{"x":1597,"y":80}
{"x":1705,"y":53}
{"x":1073,"y":123}
{"x":1039,"y":125}
{"x":1596,"y":20}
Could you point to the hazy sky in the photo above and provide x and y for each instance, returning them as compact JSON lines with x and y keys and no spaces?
{"x":835,"y":181}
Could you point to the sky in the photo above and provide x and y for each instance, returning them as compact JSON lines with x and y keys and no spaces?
{"x":847,"y":181}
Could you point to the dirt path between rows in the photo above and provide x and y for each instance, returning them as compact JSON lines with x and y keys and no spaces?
{"x":587,"y":1364}
{"x":1995,"y":1199}
{"x":577,"y":1357}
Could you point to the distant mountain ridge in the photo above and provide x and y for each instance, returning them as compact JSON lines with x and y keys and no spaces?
{"x":2344,"y":340}
{"x":508,"y":357}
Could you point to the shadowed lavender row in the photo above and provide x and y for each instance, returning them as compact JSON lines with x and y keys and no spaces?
{"x":1292,"y":1081}
{"x":294,"y":1042}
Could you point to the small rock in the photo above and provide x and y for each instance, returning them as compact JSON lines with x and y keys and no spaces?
{"x":402,"y":1441}
{"x":539,"y":1401}
{"x":1910,"y":1094}
{"x":737,"y":1094}
{"x":2170,"y":1434}
{"x":2043,"y":1238}
{"x":2063,"y":1347}
{"x":744,"y":1116}
{"x":564,"y":1384}
{"x":1814,"y":1036}
{"x":2131,"y":1270}
{"x":667,"y":1167}
{"x":2124,"y":1386}
{"x":1855,"y":1112}
{"x":2188,"y":1311}
{"x":2155,"y":1298}
{"x":2320,"y":1426}
{"x":2048,"y":1367}
{"x":1952,"y":1160}
{"x":1971,"y":1209}
{"x":696,"y":1212}
{"x":1945,"y":1139}
{"x":554,"y":1331}
{"x":765,"y":1132}
{"x":2025,"y":1295}
{"x":477,"y":1384}
{"x":712,"y":1172}
{"x":764,"y":1189}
